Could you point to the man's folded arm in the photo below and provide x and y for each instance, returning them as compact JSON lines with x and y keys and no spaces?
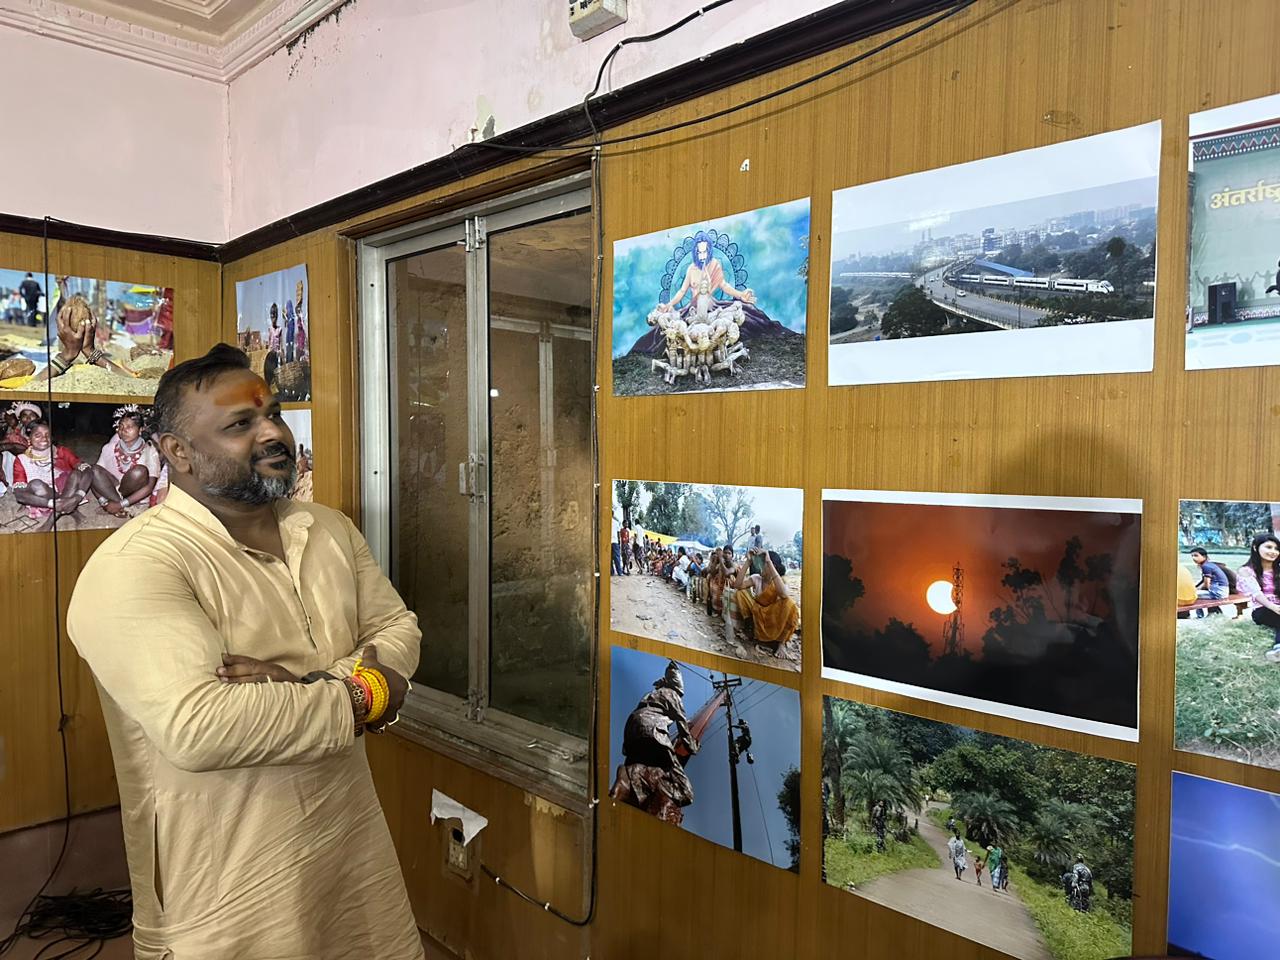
{"x":157,"y":659}
{"x":384,"y":619}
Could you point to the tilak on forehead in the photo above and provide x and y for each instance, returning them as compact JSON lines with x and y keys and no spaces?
{"x":247,"y":392}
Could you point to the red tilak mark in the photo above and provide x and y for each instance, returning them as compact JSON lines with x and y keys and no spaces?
{"x":240,"y":394}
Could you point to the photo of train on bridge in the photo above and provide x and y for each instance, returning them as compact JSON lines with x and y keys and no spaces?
{"x":1233,"y":297}
{"x":1044,"y":259}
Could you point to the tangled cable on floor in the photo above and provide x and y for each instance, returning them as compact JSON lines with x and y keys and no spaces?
{"x":82,"y":919}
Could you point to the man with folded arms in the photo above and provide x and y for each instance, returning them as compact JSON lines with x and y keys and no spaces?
{"x":236,"y":696}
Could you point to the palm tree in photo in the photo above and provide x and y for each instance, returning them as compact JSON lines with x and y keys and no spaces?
{"x":988,"y":819}
{"x":1049,"y":839}
{"x":840,"y":728}
{"x":875,"y":769}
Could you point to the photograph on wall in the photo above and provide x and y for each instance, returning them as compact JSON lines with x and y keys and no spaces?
{"x":716,"y":305}
{"x":299,"y":422}
{"x":1036,"y":263}
{"x":1233,"y":299}
{"x":708,"y":566}
{"x":81,"y":466}
{"x":1227,"y":695}
{"x":711,"y":753}
{"x":22,"y":311}
{"x":273,"y":326}
{"x":1224,"y":870}
{"x":45,"y":343}
{"x":1025,"y":607}
{"x":1023,"y":848}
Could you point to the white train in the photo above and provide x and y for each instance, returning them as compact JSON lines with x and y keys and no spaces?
{"x":1040,"y":283}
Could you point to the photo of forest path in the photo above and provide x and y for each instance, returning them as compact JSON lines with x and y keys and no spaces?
{"x":1023,"y":848}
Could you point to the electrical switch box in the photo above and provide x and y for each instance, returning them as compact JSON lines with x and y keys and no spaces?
{"x":588,"y":18}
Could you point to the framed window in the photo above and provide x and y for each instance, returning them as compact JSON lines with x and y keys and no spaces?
{"x":479,"y":474}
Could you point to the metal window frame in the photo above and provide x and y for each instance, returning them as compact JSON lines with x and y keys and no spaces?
{"x":535,"y":757}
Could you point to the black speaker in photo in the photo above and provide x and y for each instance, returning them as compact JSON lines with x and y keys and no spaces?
{"x":1222,"y":303}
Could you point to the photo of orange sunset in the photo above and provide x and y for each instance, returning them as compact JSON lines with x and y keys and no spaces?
{"x":1020,"y":606}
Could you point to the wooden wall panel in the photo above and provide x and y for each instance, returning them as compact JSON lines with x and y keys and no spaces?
{"x":31,"y":781}
{"x":1005,"y":75}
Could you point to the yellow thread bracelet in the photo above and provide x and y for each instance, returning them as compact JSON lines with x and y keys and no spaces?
{"x":381,"y":693}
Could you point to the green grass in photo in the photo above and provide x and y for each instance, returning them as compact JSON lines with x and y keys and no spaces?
{"x":854,"y":859}
{"x":1069,"y":934}
{"x":1228,"y":693}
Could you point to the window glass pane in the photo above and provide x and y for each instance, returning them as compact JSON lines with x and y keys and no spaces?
{"x":542,"y":495}
{"x":430,"y":520}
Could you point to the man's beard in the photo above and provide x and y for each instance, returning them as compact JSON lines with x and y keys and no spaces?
{"x":227,"y":479}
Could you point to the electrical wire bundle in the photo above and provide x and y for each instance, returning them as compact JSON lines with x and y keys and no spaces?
{"x":83,"y":920}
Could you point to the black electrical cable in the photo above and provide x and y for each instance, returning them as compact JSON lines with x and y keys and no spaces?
{"x":643,"y":38}
{"x":947,"y":14}
{"x":82,"y":917}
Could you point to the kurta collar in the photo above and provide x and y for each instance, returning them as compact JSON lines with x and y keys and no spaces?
{"x":294,"y":520}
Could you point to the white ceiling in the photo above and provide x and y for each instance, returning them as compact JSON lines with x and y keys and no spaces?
{"x":213,"y":39}
{"x":213,"y":21}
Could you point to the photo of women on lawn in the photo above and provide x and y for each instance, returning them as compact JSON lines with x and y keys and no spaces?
{"x":1227,"y":698}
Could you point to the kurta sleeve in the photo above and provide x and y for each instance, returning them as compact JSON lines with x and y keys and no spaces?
{"x":156,"y":657}
{"x":384,"y":620}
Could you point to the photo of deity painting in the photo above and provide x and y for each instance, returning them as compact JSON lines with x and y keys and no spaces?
{"x":713,"y":306}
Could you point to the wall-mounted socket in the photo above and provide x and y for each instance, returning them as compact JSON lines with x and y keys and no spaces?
{"x":589,"y":18}
{"x":459,"y":858}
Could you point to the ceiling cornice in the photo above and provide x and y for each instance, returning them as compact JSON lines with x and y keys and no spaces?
{"x":222,"y":62}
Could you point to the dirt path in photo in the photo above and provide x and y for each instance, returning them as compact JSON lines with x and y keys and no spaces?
{"x":935,"y":896}
{"x":648,"y":606}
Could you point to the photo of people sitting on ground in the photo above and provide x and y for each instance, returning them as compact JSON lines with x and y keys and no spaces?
{"x":80,"y":466}
{"x":1025,"y":848}
{"x":1227,"y":699}
{"x":83,"y":335}
{"x":707,"y":566}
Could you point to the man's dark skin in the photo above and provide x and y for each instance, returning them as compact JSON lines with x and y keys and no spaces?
{"x":233,"y":428}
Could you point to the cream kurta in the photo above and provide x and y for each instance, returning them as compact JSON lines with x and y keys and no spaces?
{"x":251,"y":823}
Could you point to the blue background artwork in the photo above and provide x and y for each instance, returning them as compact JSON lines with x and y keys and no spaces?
{"x":1224,"y":870}
{"x":773,"y":713}
{"x":772,"y":241}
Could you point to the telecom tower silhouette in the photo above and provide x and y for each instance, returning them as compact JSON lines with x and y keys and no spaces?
{"x":953,"y":628}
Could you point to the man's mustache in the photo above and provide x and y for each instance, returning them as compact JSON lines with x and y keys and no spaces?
{"x":273,"y":451}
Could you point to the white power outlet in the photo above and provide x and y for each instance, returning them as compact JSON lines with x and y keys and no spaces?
{"x":456,"y":855}
{"x":589,"y":18}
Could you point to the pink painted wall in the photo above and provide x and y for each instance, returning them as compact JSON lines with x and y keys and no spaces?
{"x":147,"y":151}
{"x":395,"y":83}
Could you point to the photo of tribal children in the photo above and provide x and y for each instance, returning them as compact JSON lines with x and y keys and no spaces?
{"x":1227,"y":698}
{"x":273,"y":326}
{"x":84,"y":335}
{"x":1224,"y":871}
{"x":1024,"y":848}
{"x":710,"y":567}
{"x":1025,"y":607}
{"x":714,"y":754}
{"x":299,"y":422}
{"x":1233,"y":296}
{"x":82,"y":466}
{"x":716,"y":305}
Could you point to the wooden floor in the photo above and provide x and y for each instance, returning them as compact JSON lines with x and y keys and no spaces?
{"x":95,"y":858}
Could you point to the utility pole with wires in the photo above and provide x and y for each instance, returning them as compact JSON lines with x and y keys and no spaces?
{"x":739,"y":735}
